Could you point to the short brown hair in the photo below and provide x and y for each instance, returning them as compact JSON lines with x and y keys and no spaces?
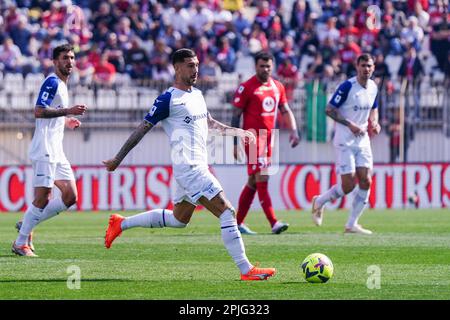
{"x":181,"y":54}
{"x":364,"y":57}
{"x":62,"y":48}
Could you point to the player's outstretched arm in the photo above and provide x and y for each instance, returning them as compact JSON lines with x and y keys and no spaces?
{"x":334,"y":114}
{"x":225,"y":130}
{"x":42,"y":112}
{"x":288,"y":116}
{"x":131,"y":142}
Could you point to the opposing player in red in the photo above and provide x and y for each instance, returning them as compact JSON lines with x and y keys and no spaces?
{"x":259,"y":99}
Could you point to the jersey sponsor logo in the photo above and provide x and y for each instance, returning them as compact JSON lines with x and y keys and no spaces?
{"x":268,"y":104}
{"x":158,"y":101}
{"x":337,"y":98}
{"x":356,"y":108}
{"x":187,"y":119}
{"x":195,"y":117}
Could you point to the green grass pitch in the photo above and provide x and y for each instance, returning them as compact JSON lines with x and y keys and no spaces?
{"x":410,"y":248}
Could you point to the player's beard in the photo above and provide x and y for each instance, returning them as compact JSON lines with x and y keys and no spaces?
{"x":65,"y":71}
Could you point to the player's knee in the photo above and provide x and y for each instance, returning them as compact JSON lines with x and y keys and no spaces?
{"x":70,"y":199}
{"x":365,"y":183}
{"x":348,"y":187}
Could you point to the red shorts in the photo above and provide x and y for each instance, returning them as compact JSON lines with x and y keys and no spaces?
{"x":262,"y":163}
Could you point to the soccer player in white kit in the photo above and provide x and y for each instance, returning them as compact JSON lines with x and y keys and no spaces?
{"x":185,"y":119}
{"x":355,"y":110}
{"x":50,"y":165}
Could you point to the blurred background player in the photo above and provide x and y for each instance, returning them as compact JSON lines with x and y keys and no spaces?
{"x":50,"y":165}
{"x":183,"y":114}
{"x":259,"y":99}
{"x":355,"y":110}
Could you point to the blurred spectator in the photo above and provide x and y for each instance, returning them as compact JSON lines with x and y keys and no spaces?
{"x":21,"y":35}
{"x":329,"y":31}
{"x":114,"y":52}
{"x":412,"y":34}
{"x":163,"y":71}
{"x":288,"y":75}
{"x":226,"y":56}
{"x":348,"y":55}
{"x":45,"y":57}
{"x":137,"y":60}
{"x":287,"y":51}
{"x":202,"y":18}
{"x":203,"y":49}
{"x":440,"y":35}
{"x":257,"y":40}
{"x":12,"y":17}
{"x":84,"y":69}
{"x":10,"y":57}
{"x":264,"y":15}
{"x":160,"y":53}
{"x":411,"y":69}
{"x":124,"y":33}
{"x":389,"y":40}
{"x":242,"y":24}
{"x":209,"y":73}
{"x":75,"y":23}
{"x":178,"y":17}
{"x":299,"y":14}
{"x":105,"y":73}
{"x":316,"y":68}
{"x":53,"y":22}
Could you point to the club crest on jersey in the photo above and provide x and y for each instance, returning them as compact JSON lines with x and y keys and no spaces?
{"x":268,"y":104}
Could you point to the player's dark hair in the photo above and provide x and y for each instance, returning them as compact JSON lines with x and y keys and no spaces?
{"x":62,"y":48}
{"x":263,"y":55}
{"x":181,"y":54}
{"x":364,"y":57}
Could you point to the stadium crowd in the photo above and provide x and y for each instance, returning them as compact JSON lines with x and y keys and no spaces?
{"x":320,"y":38}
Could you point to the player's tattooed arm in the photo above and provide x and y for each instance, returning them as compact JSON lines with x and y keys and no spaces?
{"x":131,"y":142}
{"x":334,"y":114}
{"x":42,"y":112}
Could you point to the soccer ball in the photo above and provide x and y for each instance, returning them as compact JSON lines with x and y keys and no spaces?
{"x":317,"y":268}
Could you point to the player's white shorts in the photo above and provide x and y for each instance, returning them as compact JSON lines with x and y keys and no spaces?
{"x":45,"y":173}
{"x":195,"y":184}
{"x":349,"y":158}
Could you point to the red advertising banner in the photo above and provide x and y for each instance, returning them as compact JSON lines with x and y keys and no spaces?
{"x":291,"y":188}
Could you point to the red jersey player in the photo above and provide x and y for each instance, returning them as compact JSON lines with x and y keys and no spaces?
{"x":258,"y":99}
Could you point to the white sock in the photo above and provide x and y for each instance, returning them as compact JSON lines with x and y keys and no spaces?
{"x":332,"y":194}
{"x":158,"y":218}
{"x":30,"y":220}
{"x":54,"y":207}
{"x":359,"y":204}
{"x":233,"y":241}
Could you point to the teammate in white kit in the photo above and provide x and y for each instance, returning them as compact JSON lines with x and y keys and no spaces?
{"x":355,"y":110}
{"x":50,"y":165}
{"x":185,"y":119}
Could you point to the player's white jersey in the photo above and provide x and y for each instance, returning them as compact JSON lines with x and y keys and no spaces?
{"x":47,"y":143}
{"x":355,"y":103}
{"x":183,"y":115}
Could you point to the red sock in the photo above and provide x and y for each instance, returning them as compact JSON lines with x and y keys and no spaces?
{"x":245,"y":201}
{"x":266,"y":202}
